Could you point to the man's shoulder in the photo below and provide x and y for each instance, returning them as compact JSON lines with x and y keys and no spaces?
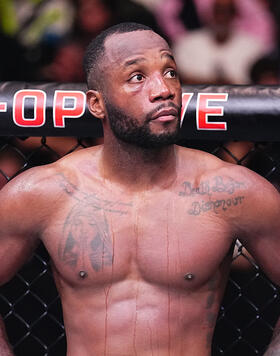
{"x":250,"y":181}
{"x":47,"y":178}
{"x":203,"y":166}
{"x":27,"y":198}
{"x":200,"y":162}
{"x":256,"y":192}
{"x":33,"y":182}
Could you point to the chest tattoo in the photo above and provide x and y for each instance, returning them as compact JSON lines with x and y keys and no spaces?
{"x":86,"y":235}
{"x":86,"y":239}
{"x":204,"y":202}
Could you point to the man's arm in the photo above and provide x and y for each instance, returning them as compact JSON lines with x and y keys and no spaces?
{"x":18,"y":234}
{"x":5,"y":348}
{"x":260,"y":234}
{"x":258,"y":225}
{"x":274,"y":347}
{"x":18,"y":230}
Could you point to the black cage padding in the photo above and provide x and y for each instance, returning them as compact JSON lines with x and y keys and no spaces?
{"x":244,"y":112}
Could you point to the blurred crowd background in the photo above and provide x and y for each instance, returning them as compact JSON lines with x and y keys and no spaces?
{"x":214,"y":41}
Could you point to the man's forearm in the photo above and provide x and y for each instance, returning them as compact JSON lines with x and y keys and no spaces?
{"x":5,"y":348}
{"x":274,"y":347}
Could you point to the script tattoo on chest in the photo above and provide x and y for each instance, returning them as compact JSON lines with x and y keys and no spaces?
{"x":86,"y":233}
{"x":226,"y":186}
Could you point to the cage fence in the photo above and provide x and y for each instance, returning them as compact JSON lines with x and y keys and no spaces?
{"x":30,"y":304}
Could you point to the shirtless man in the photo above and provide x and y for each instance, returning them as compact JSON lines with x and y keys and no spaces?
{"x":140,"y":231}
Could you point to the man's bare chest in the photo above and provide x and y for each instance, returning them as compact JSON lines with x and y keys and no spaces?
{"x":163,"y":237}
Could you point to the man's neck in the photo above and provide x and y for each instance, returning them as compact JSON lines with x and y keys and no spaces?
{"x":222,"y":37}
{"x":139,"y":168}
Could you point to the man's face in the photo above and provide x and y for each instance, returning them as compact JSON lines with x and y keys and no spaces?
{"x":142,"y":90}
{"x":224,"y":12}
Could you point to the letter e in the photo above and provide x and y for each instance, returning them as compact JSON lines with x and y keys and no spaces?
{"x":204,"y":111}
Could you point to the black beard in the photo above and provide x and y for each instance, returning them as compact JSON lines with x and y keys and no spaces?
{"x":128,"y":130}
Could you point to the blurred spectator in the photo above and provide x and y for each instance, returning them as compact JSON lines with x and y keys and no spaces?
{"x":127,"y":10}
{"x":13,"y":65}
{"x":254,"y":18}
{"x":92,"y":16}
{"x":66,"y":67}
{"x":140,"y":11}
{"x":274,"y":6}
{"x":151,"y":5}
{"x":266,"y":70}
{"x":176,"y":17}
{"x":218,"y":53}
{"x":36,"y":28}
{"x":36,"y":21}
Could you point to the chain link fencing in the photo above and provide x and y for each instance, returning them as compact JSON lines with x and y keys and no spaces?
{"x":30,"y":304}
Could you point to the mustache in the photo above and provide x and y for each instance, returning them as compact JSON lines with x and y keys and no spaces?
{"x":162,"y":106}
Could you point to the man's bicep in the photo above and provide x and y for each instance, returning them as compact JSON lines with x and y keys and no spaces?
{"x":261,"y":235}
{"x":14,"y":252}
{"x":17,"y":236}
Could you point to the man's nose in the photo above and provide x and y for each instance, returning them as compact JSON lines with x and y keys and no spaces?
{"x":160,"y":89}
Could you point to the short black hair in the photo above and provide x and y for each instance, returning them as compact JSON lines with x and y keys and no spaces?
{"x":95,"y":50}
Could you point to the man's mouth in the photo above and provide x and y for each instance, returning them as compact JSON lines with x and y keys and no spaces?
{"x":165,"y":115}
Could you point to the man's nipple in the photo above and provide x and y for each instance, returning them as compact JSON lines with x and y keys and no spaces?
{"x":189,"y":277}
{"x":83,"y":274}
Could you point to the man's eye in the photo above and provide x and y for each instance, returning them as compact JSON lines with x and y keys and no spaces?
{"x":137,"y":78}
{"x":171,"y":73}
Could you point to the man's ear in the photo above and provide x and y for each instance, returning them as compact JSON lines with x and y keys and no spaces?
{"x":96,"y":104}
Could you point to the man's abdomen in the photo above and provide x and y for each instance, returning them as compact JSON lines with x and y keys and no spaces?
{"x":135,"y":318}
